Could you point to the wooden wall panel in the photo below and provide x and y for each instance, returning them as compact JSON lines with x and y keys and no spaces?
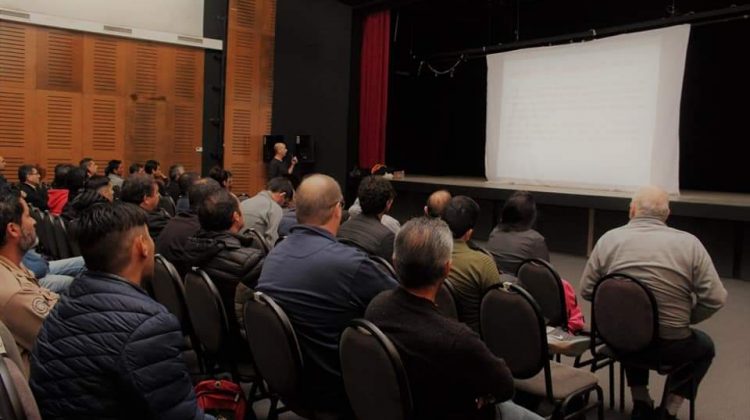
{"x":65,"y":95}
{"x":249,"y":90}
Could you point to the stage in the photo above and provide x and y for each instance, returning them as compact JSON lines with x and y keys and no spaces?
{"x":573,"y":219}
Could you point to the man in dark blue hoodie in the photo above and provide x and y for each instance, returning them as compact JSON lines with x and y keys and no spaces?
{"x":108,"y":350}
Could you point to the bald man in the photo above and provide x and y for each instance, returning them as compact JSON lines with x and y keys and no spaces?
{"x":278,"y":166}
{"x":678,"y":270}
{"x":436,"y":203}
{"x":321,"y":285}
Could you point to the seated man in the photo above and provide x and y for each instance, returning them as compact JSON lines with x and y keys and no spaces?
{"x":366,"y":230}
{"x":108,"y":350}
{"x":452,"y":374}
{"x":23,"y":303}
{"x":263,"y":211}
{"x":143,"y":191}
{"x":436,"y":203}
{"x":322,"y":285}
{"x":184,"y":182}
{"x":173,"y":239}
{"x":472,"y":272}
{"x":678,"y":270}
{"x":30,"y":181}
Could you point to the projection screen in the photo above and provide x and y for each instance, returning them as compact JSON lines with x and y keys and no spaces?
{"x":602,"y":114}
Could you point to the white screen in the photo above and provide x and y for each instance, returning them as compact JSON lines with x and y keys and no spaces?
{"x":602,"y":114}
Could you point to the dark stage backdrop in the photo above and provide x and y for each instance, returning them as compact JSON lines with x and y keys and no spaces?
{"x":436,"y":125}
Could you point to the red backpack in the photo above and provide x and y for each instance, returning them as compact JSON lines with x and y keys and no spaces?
{"x":221,"y":398}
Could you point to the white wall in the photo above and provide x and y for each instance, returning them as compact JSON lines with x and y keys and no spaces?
{"x":183,"y":17}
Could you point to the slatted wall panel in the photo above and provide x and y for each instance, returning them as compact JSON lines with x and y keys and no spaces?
{"x":249,"y":90}
{"x":65,"y":95}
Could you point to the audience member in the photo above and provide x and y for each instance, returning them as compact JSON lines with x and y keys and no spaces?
{"x":57,"y":196}
{"x":143,"y":191}
{"x":115,"y":171}
{"x":221,"y":176}
{"x":366,"y":230}
{"x":321,"y":285}
{"x":3,"y":181}
{"x":75,"y":180}
{"x":472,"y":271}
{"x":101,"y":185}
{"x":153,"y":168}
{"x":23,"y":303}
{"x":135,"y":168}
{"x":288,"y":218}
{"x":451,"y":372}
{"x":173,"y":187}
{"x":436,"y":203}
{"x":108,"y":350}
{"x":675,"y":266}
{"x":173,"y":239}
{"x":184,"y":182}
{"x":514,"y":240}
{"x":277,"y":166}
{"x":30,"y":184}
{"x":263,"y":212}
{"x":53,"y":275}
{"x":89,"y":166}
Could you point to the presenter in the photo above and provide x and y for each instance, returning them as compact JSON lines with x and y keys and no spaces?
{"x":278,"y":166}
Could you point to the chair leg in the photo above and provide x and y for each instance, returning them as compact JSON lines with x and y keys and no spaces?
{"x":622,"y":388}
{"x":664,"y":394}
{"x":600,"y":403}
{"x":693,"y":393}
{"x":612,"y":386}
{"x":273,"y":412}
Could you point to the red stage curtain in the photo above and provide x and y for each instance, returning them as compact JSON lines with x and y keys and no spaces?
{"x":373,"y":88}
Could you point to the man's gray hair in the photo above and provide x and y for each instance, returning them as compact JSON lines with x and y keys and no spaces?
{"x":652,"y":202}
{"x":422,"y":248}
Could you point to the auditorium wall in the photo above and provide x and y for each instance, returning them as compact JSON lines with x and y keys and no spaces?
{"x":65,"y":95}
{"x":312,"y":80}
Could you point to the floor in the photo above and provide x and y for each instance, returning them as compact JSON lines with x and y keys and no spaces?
{"x":725,"y":391}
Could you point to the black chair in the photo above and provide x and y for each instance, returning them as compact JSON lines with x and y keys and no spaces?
{"x":513,"y":328}
{"x":385,"y":265}
{"x":49,"y":233}
{"x":62,"y":239}
{"x":353,"y":243}
{"x":277,"y":353}
{"x":167,"y":203}
{"x":16,"y":400}
{"x":624,"y":314}
{"x":374,"y":377}
{"x":446,"y":301}
{"x":259,"y":241}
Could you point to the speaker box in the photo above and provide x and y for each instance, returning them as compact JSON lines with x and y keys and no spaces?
{"x":268,"y":142}
{"x":305,"y":150}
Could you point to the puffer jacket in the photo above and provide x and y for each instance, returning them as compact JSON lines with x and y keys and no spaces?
{"x":108,"y":351}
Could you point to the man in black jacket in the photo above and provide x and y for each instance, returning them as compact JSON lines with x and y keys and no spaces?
{"x":107,"y":350}
{"x":143,"y":191}
{"x":375,"y":197}
{"x":30,"y":179}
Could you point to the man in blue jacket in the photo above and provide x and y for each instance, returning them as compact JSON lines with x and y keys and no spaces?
{"x":322,"y":285}
{"x":107,"y":350}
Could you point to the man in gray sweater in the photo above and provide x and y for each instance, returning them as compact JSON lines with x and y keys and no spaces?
{"x":676,"y":267}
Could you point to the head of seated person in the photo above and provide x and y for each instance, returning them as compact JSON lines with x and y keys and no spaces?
{"x":436,"y":203}
{"x":650,"y":201}
{"x":101,"y":185}
{"x":220,"y":212}
{"x":519,"y":212}
{"x":376,"y":196}
{"x":281,"y":189}
{"x":141,"y":190}
{"x":461,"y":215}
{"x":422,"y":255}
{"x":185,"y":181}
{"x":199,"y":190}
{"x":17,"y":227}
{"x":320,"y":202}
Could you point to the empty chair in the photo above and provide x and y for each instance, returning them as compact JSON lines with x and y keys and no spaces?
{"x":513,"y":327}
{"x":624,"y":314}
{"x":374,"y":376}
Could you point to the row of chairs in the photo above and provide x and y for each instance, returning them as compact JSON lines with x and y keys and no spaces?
{"x":53,"y":235}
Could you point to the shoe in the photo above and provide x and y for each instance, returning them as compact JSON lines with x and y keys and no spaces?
{"x":642,"y":410}
{"x":666,"y":416}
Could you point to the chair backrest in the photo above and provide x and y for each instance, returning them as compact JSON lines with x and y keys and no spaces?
{"x":167,"y":203}
{"x":206,"y":311}
{"x":374,"y":377}
{"x":16,"y":399}
{"x":352,"y":243}
{"x":49,"y":233}
{"x":385,"y":265}
{"x":62,"y":239}
{"x":624,"y":313}
{"x":168,"y":289}
{"x":446,"y":301}
{"x":513,"y":328}
{"x":259,"y":241}
{"x":274,"y":346}
{"x":541,"y":280}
